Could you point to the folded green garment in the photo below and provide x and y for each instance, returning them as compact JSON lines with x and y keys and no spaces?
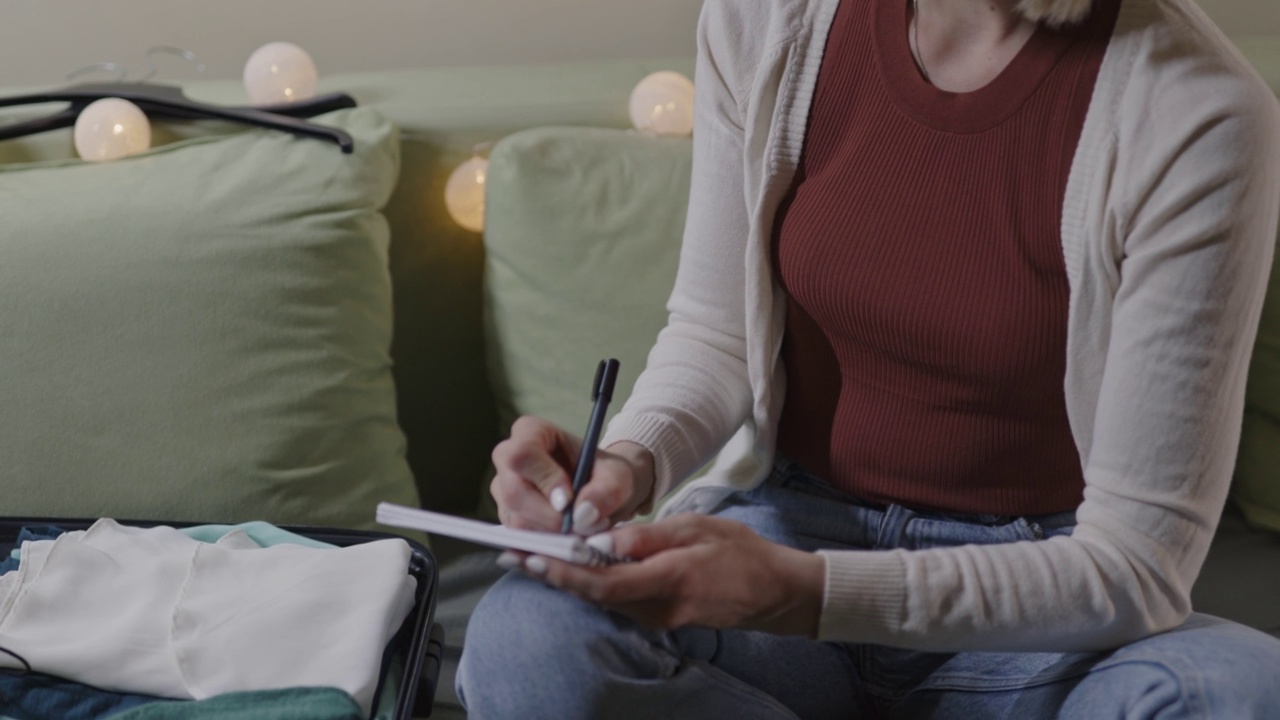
{"x":263,"y":533}
{"x":288,"y":704}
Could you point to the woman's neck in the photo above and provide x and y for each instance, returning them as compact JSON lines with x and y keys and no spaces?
{"x":961,"y":45}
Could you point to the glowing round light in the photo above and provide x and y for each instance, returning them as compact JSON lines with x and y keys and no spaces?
{"x":464,"y":194}
{"x":662,"y":104}
{"x":111,"y":128}
{"x":279,"y":72}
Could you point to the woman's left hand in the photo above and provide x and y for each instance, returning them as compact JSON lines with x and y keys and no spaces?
{"x":698,"y":570}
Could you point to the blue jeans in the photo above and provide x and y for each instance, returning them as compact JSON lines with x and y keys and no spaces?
{"x":535,"y":652}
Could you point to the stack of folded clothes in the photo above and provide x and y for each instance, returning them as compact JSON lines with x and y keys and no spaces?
{"x":113,"y":620}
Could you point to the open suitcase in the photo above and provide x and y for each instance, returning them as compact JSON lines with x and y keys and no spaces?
{"x":419,"y":644}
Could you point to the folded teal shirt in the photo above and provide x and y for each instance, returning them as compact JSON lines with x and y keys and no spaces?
{"x":287,"y":704}
{"x":263,"y":533}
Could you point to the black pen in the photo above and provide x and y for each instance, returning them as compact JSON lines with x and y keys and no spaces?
{"x":601,"y":394}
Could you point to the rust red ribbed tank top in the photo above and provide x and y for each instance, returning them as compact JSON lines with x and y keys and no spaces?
{"x":920,"y":250}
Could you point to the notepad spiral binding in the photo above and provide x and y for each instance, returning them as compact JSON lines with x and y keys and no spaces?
{"x":585,"y":554}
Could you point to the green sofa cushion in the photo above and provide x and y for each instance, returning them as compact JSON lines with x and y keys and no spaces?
{"x":202,"y":332}
{"x":582,"y":234}
{"x":1257,"y":478}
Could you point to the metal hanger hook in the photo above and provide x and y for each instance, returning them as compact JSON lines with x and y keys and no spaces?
{"x":101,"y":66}
{"x":169,"y":50}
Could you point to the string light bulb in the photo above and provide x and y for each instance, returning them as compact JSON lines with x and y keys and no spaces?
{"x":464,"y":193}
{"x":111,"y":128}
{"x":279,"y":72}
{"x":662,"y":104}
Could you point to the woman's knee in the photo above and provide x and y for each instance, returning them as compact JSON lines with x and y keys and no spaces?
{"x":1209,"y":668}
{"x":532,"y":641}
{"x":517,"y":617}
{"x":511,"y":632}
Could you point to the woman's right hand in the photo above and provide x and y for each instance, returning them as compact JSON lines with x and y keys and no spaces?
{"x":534,"y":482}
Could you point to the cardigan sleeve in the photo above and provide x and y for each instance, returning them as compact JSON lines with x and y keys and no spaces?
{"x":695,"y":392}
{"x":1193,"y":202}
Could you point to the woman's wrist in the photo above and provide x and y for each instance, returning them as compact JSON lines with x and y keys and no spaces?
{"x":642,"y":467}
{"x":805,"y":576}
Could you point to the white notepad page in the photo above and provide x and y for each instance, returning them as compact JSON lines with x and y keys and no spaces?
{"x":569,"y":548}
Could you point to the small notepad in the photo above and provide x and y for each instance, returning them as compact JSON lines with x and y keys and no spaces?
{"x":569,"y":548}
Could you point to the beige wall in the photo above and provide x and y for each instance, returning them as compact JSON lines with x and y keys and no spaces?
{"x":1245,"y":18}
{"x":42,"y":40}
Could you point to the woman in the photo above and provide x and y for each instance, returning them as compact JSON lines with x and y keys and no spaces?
{"x":980,"y":280}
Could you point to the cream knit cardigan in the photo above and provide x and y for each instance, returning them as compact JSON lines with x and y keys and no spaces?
{"x":1168,"y":231}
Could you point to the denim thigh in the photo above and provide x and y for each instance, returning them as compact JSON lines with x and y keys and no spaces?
{"x":795,"y":508}
{"x":1208,"y":667}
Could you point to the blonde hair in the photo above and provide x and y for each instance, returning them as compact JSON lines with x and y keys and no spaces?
{"x":1055,"y":12}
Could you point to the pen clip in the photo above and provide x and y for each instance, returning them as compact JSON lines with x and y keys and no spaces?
{"x":606,"y":378}
{"x":601,"y":395}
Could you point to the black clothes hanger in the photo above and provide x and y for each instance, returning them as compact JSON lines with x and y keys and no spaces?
{"x":168,"y":101}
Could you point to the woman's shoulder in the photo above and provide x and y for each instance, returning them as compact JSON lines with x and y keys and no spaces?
{"x":755,"y":23}
{"x":1173,"y":84}
{"x":1187,"y":118}
{"x":1174,"y":50}
{"x":740,"y":34}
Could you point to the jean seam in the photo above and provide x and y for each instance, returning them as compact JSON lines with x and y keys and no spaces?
{"x":1188,"y":683}
{"x":1020,"y":528}
{"x":952,"y":681}
{"x":893,"y":522}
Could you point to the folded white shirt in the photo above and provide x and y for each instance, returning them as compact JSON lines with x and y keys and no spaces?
{"x":152,"y":611}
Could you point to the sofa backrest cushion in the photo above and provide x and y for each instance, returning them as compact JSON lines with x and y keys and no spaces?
{"x":445,"y":401}
{"x":202,"y":332}
{"x":582,"y":238}
{"x":1257,"y":479}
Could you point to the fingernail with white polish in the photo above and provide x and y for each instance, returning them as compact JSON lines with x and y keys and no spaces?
{"x":585,"y":517}
{"x":508,"y":561}
{"x":535,"y":565}
{"x":559,"y":499}
{"x":602,"y":542}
